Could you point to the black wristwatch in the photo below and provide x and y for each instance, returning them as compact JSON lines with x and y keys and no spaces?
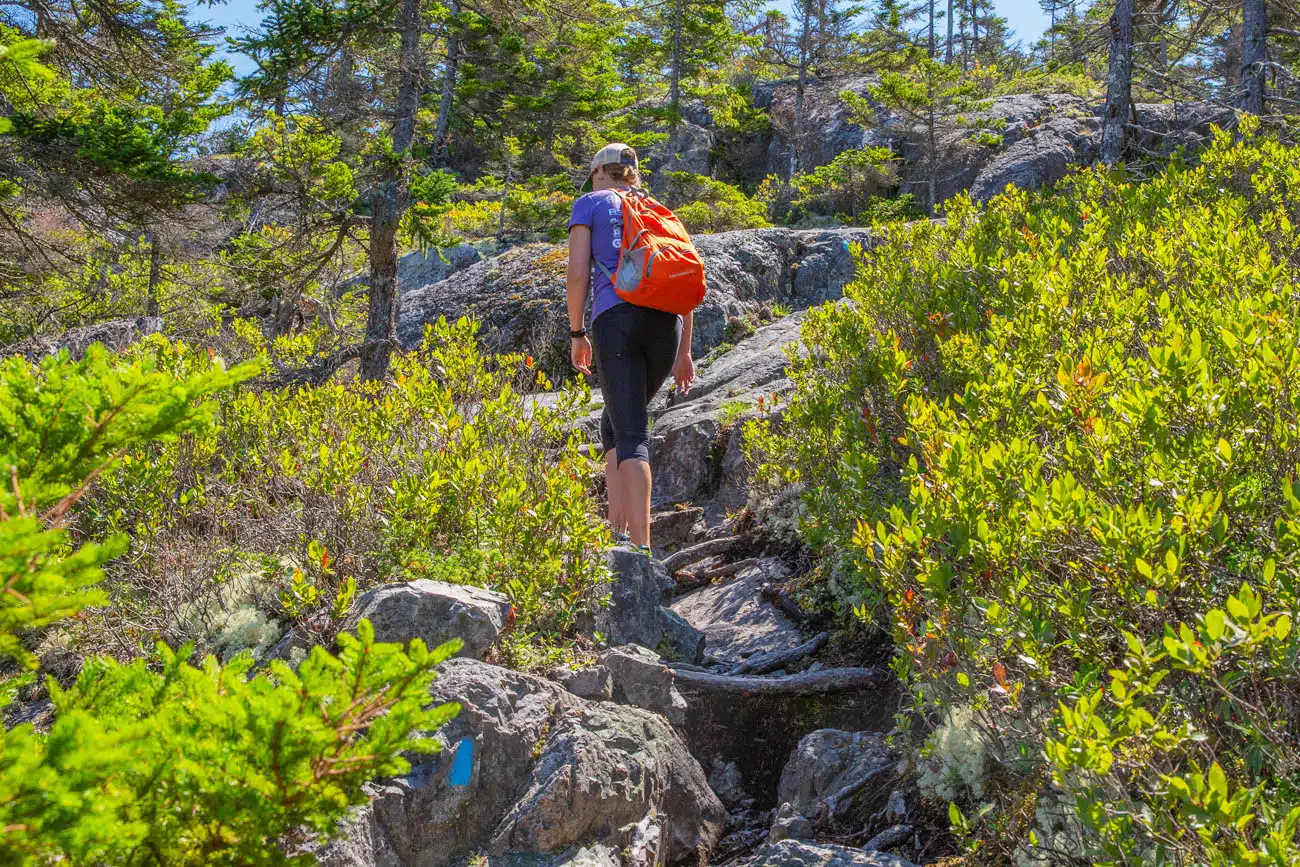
{"x":581,"y":332}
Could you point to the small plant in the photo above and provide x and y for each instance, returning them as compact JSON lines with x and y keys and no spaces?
{"x":731,"y":412}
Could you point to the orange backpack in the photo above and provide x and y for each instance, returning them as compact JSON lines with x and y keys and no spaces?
{"x":658,"y":266}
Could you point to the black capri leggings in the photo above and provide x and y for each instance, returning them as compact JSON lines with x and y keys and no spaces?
{"x":635,"y":349}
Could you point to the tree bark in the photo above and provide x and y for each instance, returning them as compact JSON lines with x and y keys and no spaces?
{"x":1254,"y":48}
{"x":948,"y":53}
{"x":1119,"y":82}
{"x":933,"y":48}
{"x":796,"y":132}
{"x":155,"y":275}
{"x":675,"y":81}
{"x":449,"y":72}
{"x":390,"y":201}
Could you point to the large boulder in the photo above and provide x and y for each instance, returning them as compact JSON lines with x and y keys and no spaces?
{"x":519,"y":296}
{"x":527,"y":767}
{"x":826,"y":127}
{"x":696,"y":442}
{"x":827,"y":770}
{"x":801,"y":853}
{"x":637,"y":614}
{"x":641,"y":680}
{"x":435,"y":612}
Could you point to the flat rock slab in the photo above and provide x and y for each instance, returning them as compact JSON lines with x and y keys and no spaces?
{"x":737,"y":623}
{"x":801,"y":853}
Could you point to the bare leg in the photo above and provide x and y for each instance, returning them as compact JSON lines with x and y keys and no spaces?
{"x":614,"y":489}
{"x":634,"y":485}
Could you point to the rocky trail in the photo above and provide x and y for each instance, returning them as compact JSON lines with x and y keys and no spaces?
{"x":716,"y":724}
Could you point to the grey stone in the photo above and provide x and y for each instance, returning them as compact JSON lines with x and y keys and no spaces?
{"x":548,"y":771}
{"x":735,"y":620}
{"x":673,"y":528}
{"x":115,"y":335}
{"x":681,"y":641}
{"x":801,"y":853}
{"x":728,"y":783}
{"x":518,"y":296}
{"x":789,"y":825}
{"x":639,"y":587}
{"x":434,"y":611}
{"x":591,"y":682}
{"x":696,"y":446}
{"x":827,"y":129}
{"x":828,"y":762}
{"x":640,"y":679}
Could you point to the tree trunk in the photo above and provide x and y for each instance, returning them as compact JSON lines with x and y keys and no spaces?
{"x":948,"y":53}
{"x":796,"y":133}
{"x":449,"y":70}
{"x":675,"y":81}
{"x":1051,"y":36}
{"x":155,"y":274}
{"x":965,"y":46}
{"x":390,"y":202}
{"x":1254,"y":29}
{"x":1119,"y":82}
{"x":933,"y":47}
{"x":975,"y":29}
{"x":934,"y":149}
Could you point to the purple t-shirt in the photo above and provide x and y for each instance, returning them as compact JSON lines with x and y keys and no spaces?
{"x":602,"y":210}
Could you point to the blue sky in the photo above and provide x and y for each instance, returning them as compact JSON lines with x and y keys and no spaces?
{"x":1024,"y":16}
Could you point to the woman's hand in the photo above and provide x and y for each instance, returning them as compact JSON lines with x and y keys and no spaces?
{"x":684,"y":372}
{"x":580,"y":353}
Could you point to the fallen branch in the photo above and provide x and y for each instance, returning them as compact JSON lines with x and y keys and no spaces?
{"x":694,"y":580}
{"x":783,"y":601}
{"x":844,"y":795}
{"x":824,"y":682}
{"x":696,"y":553}
{"x":772,"y":660}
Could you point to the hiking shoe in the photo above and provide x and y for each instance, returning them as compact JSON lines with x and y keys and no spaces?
{"x":620,"y":538}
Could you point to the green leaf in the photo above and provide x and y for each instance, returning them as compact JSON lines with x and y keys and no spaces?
{"x":1218,"y":781}
{"x":1225,"y":450}
{"x":1214,"y":623}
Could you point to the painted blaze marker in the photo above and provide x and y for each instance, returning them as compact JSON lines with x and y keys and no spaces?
{"x":462,"y":763}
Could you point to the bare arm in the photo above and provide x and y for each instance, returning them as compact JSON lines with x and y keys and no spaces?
{"x":684,"y":367}
{"x":579,"y":275}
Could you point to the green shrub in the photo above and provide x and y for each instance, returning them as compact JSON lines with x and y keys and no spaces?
{"x":296,"y":496}
{"x":1060,"y":436}
{"x":162,"y":761}
{"x":708,"y":206}
{"x":852,"y":186}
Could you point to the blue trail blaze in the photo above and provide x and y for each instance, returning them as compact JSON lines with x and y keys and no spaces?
{"x":462,"y":763}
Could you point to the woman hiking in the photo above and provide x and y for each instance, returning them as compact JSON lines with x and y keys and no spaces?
{"x":636,"y":347}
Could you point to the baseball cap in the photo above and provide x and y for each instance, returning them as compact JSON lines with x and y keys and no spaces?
{"x":616,"y":153}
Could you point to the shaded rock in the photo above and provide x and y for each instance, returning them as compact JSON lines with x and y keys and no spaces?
{"x":545,"y":771}
{"x":681,"y":641}
{"x":727,"y":783}
{"x":591,"y":682}
{"x":115,"y":334}
{"x":1039,"y":160}
{"x":434,"y":611}
{"x":640,"y":679}
{"x":789,"y":825}
{"x":696,"y":442}
{"x":800,"y":853}
{"x":775,"y":713}
{"x":518,"y":297}
{"x":828,"y":768}
{"x":735,"y":620}
{"x":673,"y":528}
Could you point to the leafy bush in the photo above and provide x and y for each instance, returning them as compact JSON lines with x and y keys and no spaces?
{"x":851,"y":187}
{"x":1059,"y":435}
{"x":163,"y":761}
{"x":708,"y":206}
{"x":297,"y":499}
